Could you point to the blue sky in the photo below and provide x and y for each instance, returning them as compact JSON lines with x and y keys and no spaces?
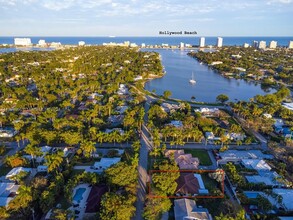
{"x":145,"y":17}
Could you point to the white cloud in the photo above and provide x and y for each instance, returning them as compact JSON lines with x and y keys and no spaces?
{"x":279,"y":1}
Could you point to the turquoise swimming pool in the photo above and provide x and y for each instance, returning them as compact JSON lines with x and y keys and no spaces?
{"x":251,"y":195}
{"x":78,"y":195}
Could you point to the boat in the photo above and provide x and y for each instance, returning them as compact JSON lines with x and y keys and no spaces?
{"x":192,"y":80}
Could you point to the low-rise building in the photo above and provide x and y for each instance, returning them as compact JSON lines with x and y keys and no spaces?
{"x":105,"y":163}
{"x":184,"y":161}
{"x":185,"y":209}
{"x":15,"y":171}
{"x":8,"y":192}
{"x":238,"y":155}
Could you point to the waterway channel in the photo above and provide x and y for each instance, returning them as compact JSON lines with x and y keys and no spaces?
{"x":209,"y":84}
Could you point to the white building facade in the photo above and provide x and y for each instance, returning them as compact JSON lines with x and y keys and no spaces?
{"x":220,"y":42}
{"x":202,"y":42}
{"x":22,"y":42}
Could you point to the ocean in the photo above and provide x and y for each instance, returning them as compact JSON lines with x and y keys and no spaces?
{"x":227,"y":41}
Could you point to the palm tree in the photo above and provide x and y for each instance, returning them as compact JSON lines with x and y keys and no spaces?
{"x":88,"y":148}
{"x":53,"y":161}
{"x":33,"y":151}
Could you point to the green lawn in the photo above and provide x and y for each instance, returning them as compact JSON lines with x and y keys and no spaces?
{"x":202,"y":155}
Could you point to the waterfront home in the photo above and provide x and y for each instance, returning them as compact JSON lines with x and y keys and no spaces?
{"x":105,"y":163}
{"x":216,"y":63}
{"x":169,"y":107}
{"x":8,"y":192}
{"x":186,"y":209}
{"x":184,"y":161}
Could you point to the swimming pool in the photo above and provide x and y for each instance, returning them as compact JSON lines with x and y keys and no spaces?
{"x":78,"y":195}
{"x":251,"y":195}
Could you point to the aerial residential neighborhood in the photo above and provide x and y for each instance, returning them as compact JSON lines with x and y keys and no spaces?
{"x":80,"y":134}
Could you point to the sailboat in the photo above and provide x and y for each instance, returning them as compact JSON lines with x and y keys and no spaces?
{"x":192,"y":80}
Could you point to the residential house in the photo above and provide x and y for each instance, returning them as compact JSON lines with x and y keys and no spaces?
{"x":186,"y":209}
{"x":184,"y":161}
{"x":105,"y":163}
{"x":238,"y":155}
{"x":265,"y":175}
{"x":190,"y":184}
{"x":16,"y":170}
{"x":93,"y":201}
{"x":8,"y":192}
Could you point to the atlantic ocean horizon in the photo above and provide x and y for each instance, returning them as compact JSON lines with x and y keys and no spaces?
{"x":227,"y":41}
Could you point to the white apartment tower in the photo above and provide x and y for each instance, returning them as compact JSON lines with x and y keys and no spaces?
{"x":22,"y":41}
{"x":220,"y":42}
{"x":262,"y":45}
{"x":290,"y":46}
{"x":273,"y":45}
{"x":202,"y":42}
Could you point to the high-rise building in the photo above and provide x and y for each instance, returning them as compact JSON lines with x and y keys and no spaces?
{"x":273,"y":45}
{"x":290,"y":46}
{"x":262,"y":45}
{"x":202,"y":42}
{"x":181,"y":45}
{"x":143,"y":45}
{"x":220,"y":42}
{"x":255,"y":44}
{"x":22,"y":41}
{"x":245,"y":45}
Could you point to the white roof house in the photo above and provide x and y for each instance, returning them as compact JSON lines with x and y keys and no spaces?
{"x":287,"y":195}
{"x":105,"y":163}
{"x":256,"y":164}
{"x":7,"y":193}
{"x":267,"y":178}
{"x":16,"y":171}
{"x":185,"y":209}
{"x":238,"y":155}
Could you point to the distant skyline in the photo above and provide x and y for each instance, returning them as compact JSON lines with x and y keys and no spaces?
{"x":146,"y":17}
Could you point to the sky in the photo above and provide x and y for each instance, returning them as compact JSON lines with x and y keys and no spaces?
{"x":145,"y":17}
